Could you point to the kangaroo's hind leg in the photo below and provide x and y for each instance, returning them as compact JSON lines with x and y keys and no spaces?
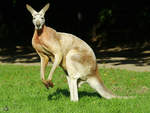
{"x":79,"y":66}
{"x":80,"y":82}
{"x":73,"y":75}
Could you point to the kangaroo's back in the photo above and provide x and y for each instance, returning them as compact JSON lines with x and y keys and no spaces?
{"x":69,"y":42}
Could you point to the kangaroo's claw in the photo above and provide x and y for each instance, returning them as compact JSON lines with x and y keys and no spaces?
{"x":48,"y":84}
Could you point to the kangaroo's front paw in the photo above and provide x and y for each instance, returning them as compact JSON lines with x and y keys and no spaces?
{"x":47,"y":83}
{"x":50,"y":83}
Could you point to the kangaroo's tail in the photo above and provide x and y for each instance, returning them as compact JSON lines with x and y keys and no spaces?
{"x":96,"y":83}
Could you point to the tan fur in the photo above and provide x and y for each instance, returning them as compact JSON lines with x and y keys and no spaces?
{"x":73,"y":54}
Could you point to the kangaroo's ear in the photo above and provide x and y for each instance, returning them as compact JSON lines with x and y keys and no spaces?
{"x":45,"y":8}
{"x":30,"y":9}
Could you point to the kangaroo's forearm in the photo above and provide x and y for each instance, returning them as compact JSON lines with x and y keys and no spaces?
{"x":57,"y":61}
{"x":44,"y":62}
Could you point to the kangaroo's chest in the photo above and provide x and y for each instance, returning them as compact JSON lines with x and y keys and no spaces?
{"x":41,"y":47}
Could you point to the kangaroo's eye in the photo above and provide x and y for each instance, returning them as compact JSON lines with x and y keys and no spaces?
{"x":33,"y":18}
{"x":42,"y":18}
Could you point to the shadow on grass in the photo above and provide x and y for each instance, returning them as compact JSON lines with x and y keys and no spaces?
{"x":114,"y":56}
{"x":19,"y":54}
{"x":138,"y":57}
{"x":66,"y":93}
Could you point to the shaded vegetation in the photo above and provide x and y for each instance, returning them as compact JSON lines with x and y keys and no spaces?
{"x":106,"y":24}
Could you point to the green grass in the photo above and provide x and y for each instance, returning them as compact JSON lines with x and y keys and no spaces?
{"x":21,"y":91}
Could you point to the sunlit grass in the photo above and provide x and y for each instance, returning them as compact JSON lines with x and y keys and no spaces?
{"x":21,"y":91}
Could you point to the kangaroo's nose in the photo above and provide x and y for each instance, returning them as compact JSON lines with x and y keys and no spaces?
{"x":38,"y":23}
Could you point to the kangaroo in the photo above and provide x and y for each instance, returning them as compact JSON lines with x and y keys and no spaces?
{"x":70,"y":52}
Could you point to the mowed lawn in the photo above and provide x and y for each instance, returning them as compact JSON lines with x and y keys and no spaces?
{"x":21,"y":91}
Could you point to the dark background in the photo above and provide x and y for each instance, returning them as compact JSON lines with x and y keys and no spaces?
{"x":102,"y":24}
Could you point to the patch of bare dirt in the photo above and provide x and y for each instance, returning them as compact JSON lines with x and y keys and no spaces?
{"x":125,"y":58}
{"x":122,"y":58}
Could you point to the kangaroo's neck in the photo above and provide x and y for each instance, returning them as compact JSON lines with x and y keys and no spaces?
{"x":40,"y":31}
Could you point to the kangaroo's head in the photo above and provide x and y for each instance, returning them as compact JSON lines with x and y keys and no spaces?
{"x":38,"y":17}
